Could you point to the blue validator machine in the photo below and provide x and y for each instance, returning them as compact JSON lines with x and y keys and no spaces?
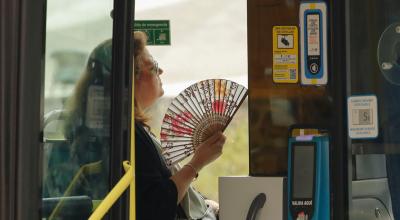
{"x":308,"y":178}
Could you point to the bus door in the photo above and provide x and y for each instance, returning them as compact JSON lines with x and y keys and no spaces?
{"x":86,"y":83}
{"x":64,"y":79}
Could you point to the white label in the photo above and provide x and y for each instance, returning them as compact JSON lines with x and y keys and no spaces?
{"x":362,"y":116}
{"x":285,"y":58}
{"x":302,"y":203}
{"x":313,"y":34}
{"x":97,"y":106}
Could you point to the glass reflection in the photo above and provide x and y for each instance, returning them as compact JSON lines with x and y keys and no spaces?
{"x":375,"y":162}
{"x":77,"y":108}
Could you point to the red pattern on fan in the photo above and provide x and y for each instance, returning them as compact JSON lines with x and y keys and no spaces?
{"x":196,"y":113}
{"x":176,"y":121}
{"x":219,"y":106}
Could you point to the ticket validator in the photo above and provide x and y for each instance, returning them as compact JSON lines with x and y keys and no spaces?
{"x":308,"y":178}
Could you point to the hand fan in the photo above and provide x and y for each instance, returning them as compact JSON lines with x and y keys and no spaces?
{"x":197,"y":113}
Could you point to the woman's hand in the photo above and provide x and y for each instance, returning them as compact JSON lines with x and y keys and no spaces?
{"x":208,"y":151}
{"x":204,"y":154}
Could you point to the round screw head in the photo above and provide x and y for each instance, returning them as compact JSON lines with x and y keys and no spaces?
{"x":398,"y":29}
{"x":387,"y":66}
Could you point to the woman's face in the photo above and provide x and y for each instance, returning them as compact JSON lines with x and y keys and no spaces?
{"x":148,"y":86}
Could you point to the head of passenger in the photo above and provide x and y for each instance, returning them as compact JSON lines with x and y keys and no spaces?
{"x":148,"y":85}
{"x":146,"y":75}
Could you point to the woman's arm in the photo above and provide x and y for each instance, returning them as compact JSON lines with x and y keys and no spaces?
{"x":204,"y":154}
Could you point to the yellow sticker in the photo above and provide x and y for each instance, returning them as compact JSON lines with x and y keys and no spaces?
{"x":285,"y":57}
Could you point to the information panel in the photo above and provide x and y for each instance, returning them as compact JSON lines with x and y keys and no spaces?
{"x":313,"y":41}
{"x":285,"y":54}
{"x":362,"y":116}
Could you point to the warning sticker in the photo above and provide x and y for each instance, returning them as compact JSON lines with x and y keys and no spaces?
{"x":285,"y":64}
{"x":362,"y":116}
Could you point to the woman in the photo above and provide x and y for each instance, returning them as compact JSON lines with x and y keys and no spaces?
{"x":85,"y":124}
{"x":160,"y":194}
{"x":163,"y":193}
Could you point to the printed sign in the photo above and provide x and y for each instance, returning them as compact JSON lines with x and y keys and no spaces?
{"x":313,"y":40}
{"x":97,"y":106}
{"x":285,"y":54}
{"x":362,"y":116}
{"x":158,"y":31}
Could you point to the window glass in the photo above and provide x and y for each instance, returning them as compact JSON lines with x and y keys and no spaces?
{"x":275,"y":108}
{"x":374,"y":67}
{"x":208,"y":41}
{"x":77,"y":107}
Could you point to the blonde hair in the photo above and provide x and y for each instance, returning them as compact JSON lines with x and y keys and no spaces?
{"x":139,"y":54}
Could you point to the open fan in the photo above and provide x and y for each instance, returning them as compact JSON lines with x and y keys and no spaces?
{"x":196,"y":113}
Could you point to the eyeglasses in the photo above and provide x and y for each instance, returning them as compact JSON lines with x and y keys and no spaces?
{"x":154,"y":70}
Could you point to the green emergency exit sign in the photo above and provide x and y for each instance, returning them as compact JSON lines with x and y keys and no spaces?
{"x":158,"y":31}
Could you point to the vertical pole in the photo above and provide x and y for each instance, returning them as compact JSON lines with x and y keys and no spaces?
{"x":132,"y":188}
{"x":341,"y":154}
{"x":121,"y":79}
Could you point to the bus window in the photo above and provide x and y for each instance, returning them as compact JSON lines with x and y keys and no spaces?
{"x":77,"y":107}
{"x":208,"y":40}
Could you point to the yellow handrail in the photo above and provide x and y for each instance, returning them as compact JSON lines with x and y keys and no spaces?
{"x":86,"y":169}
{"x":132,"y":189}
{"x":127,"y":180}
{"x":115,"y":193}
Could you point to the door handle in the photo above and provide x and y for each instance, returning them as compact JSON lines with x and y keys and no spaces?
{"x":256,"y":205}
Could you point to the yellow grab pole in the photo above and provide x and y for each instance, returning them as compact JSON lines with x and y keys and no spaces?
{"x":132,"y":189}
{"x":90,"y":168}
{"x":115,"y":193}
{"x":127,"y":180}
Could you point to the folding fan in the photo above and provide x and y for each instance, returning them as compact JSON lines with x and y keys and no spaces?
{"x":196,"y":114}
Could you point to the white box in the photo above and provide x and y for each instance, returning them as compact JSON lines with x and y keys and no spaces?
{"x":236,"y":194}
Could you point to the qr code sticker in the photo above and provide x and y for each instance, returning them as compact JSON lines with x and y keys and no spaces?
{"x":292,"y":73}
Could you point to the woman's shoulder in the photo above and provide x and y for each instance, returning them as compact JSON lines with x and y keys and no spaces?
{"x":141,"y":134}
{"x":139,"y":127}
